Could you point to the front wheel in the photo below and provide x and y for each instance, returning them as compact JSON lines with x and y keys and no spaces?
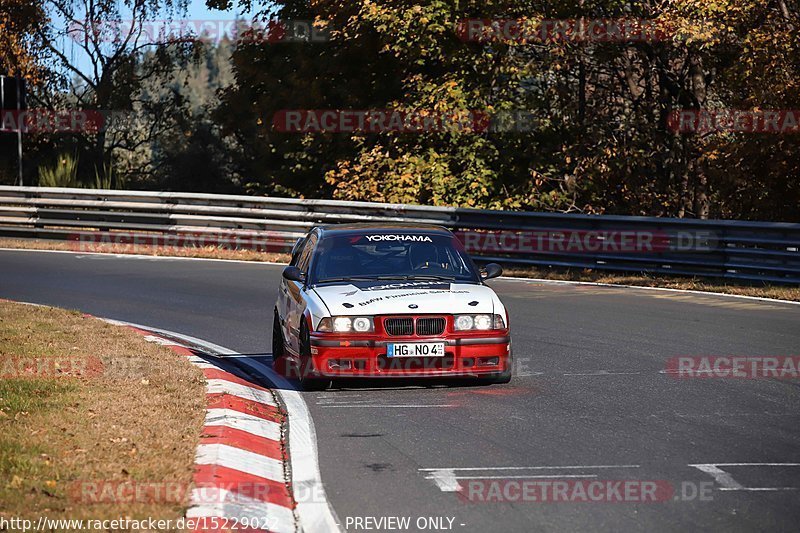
{"x":500,"y":377}
{"x":278,"y":349}
{"x":309,"y":381}
{"x":279,"y":362}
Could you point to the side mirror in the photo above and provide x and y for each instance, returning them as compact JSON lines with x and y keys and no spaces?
{"x":491,"y":270}
{"x":292,"y":273}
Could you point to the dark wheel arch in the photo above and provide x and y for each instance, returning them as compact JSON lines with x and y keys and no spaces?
{"x":309,"y":379}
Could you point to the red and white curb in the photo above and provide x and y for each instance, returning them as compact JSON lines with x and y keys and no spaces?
{"x":253,"y":436}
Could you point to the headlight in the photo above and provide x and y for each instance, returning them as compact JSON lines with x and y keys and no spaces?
{"x":346,"y":324}
{"x":362,"y":324}
{"x":479,"y":322}
{"x":342,"y":323}
{"x":483,"y":322}
{"x":463,"y":322}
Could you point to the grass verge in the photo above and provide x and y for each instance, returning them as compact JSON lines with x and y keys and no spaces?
{"x":87,"y":408}
{"x":781,"y":292}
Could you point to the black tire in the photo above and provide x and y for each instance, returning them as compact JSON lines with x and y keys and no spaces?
{"x":309,"y":381}
{"x":505,"y":376}
{"x":501,"y":377}
{"x":281,"y":362}
{"x":278,"y":346}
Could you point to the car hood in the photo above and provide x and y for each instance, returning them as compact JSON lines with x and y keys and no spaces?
{"x":401,"y":297}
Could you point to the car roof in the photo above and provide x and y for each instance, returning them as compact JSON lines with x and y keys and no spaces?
{"x":372,"y":227}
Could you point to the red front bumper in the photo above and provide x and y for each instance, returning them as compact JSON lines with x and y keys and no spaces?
{"x":470,"y":353}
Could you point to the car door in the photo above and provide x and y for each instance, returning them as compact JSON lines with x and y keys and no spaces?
{"x":293,"y":295}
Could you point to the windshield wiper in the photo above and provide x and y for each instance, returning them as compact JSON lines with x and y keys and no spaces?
{"x":407,"y":277}
{"x":429,"y":277}
{"x":347,"y":278}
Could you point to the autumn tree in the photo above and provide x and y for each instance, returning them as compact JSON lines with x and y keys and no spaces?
{"x":109,"y":56}
{"x":595,"y":138}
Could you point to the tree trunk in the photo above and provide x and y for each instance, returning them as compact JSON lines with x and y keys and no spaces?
{"x":694,"y":149}
{"x":581,"y":90}
{"x":701,"y":203}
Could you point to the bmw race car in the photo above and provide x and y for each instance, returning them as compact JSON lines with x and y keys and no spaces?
{"x":388,"y":300}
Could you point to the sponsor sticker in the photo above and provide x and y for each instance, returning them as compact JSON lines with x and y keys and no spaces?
{"x":399,"y":238}
{"x":426,"y":285}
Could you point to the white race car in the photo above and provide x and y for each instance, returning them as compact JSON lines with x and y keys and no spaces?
{"x":388,"y":300}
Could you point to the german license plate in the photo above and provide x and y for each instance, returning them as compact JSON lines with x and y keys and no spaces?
{"x":416,"y":349}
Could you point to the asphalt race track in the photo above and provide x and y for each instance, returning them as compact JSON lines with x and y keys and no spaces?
{"x":591,"y":398}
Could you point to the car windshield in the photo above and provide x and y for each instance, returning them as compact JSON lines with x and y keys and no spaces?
{"x":390,"y":255}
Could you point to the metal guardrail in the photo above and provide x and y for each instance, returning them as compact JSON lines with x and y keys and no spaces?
{"x":757,"y":251}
